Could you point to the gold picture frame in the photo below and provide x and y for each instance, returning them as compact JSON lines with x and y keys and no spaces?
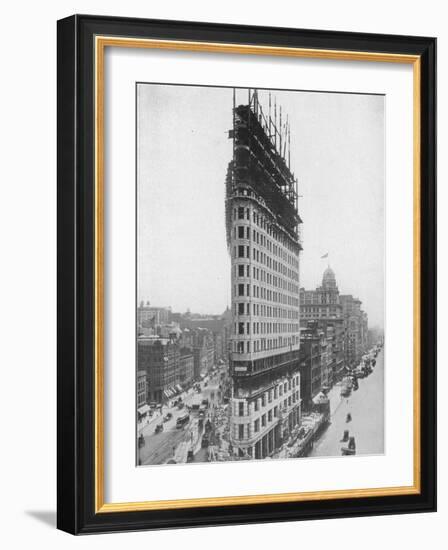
{"x":97,"y":37}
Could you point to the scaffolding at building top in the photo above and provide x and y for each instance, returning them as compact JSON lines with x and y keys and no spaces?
{"x":262,"y":158}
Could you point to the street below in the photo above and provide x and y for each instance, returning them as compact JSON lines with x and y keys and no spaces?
{"x":366,"y":407}
{"x":159,"y":447}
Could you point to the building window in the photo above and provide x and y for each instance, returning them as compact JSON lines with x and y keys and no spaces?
{"x":257,"y":425}
{"x":263,"y":420}
{"x":240,"y":328}
{"x":241,"y":431}
{"x":240,"y":251}
{"x":240,"y":309}
{"x":241,"y":213}
{"x":241,"y":232}
{"x":270,"y":416}
{"x":241,"y":408}
{"x":256,"y":405}
{"x":241,"y":270}
{"x":240,"y":290}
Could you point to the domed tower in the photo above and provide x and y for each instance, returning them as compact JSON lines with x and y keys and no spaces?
{"x":328,"y":292}
{"x":329,"y":280}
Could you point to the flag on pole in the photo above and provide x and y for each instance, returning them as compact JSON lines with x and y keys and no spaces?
{"x":324,"y":256}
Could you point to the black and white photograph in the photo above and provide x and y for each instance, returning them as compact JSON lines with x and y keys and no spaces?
{"x":225,"y":217}
{"x":260,"y":276}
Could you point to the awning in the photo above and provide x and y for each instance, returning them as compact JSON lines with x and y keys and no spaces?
{"x":166,"y":393}
{"x":143,"y":409}
{"x":320,"y":398}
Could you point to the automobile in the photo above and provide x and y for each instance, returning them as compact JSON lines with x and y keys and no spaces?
{"x":205,"y":402}
{"x":208,"y":426}
{"x":180,"y":405}
{"x":159,"y":428}
{"x":182,"y":420}
{"x":167,"y":417}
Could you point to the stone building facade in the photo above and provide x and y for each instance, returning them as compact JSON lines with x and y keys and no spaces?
{"x":159,"y":358}
{"x":141,"y":388}
{"x":186,"y":367}
{"x":356,"y":329}
{"x":323,"y":305}
{"x":315,"y":362}
{"x":263,"y":240}
{"x":152,"y":317}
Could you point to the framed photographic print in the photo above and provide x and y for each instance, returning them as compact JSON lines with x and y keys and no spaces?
{"x":246,"y":274}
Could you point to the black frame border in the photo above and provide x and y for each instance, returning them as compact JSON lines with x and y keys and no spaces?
{"x":76,"y":261}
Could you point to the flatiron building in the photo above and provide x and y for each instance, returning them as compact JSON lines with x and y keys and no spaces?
{"x":264,"y":244}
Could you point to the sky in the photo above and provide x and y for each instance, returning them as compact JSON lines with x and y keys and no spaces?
{"x":337,"y":154}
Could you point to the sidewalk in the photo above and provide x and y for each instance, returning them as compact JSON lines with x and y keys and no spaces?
{"x":334,"y":395}
{"x":150,"y":420}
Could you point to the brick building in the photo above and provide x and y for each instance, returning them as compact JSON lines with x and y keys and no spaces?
{"x":159,"y":358}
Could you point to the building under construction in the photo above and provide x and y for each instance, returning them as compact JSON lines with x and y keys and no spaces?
{"x":263,"y":239}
